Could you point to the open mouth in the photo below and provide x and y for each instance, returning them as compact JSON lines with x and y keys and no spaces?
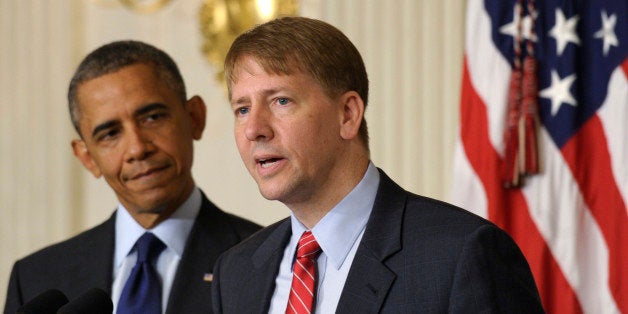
{"x":267,"y":163}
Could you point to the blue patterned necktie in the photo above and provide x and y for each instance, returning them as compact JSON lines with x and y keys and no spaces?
{"x":142,"y":291}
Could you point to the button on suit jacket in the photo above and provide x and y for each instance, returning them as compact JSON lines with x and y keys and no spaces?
{"x":417,"y":255}
{"x":86,"y":261}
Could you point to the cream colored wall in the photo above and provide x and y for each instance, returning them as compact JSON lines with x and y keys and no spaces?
{"x":413,"y":52}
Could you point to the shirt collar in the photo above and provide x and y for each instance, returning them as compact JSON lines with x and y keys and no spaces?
{"x":173,"y":232}
{"x":338,"y":230}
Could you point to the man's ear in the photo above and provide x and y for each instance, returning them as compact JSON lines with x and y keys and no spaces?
{"x":352,"y":114}
{"x":80,"y":151}
{"x":197,"y":110}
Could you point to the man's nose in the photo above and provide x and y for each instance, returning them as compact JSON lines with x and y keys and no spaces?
{"x":139,"y":144}
{"x":258,"y":126}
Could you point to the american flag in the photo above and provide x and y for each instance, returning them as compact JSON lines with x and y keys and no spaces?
{"x":570,"y":219}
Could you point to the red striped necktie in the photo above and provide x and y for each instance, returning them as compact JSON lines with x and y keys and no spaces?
{"x":301,"y":299}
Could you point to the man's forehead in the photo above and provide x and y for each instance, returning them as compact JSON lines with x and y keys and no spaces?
{"x":250,"y":64}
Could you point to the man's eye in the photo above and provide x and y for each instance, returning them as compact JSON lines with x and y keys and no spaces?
{"x":154,"y":116}
{"x":241,"y":111}
{"x":108,"y":135}
{"x":283,"y":101}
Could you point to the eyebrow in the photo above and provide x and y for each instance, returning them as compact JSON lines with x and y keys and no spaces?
{"x":104,"y":126}
{"x":148,"y":108}
{"x":141,"y":111}
{"x":265,"y":93}
{"x":239,"y":101}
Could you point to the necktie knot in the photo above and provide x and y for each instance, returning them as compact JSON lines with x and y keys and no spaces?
{"x":148,"y":247}
{"x":308,"y":247}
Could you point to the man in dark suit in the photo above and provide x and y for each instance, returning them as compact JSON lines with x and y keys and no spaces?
{"x":355,"y":242}
{"x":128,"y":103}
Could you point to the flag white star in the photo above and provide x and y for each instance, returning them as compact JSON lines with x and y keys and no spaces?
{"x":607,"y":33}
{"x":558,"y":92}
{"x":526,"y":26}
{"x":564,"y":31}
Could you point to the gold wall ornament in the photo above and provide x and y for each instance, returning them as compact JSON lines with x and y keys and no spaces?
{"x":223,"y":20}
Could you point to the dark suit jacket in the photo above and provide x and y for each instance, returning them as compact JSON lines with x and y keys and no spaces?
{"x":86,"y":261}
{"x":417,"y":255}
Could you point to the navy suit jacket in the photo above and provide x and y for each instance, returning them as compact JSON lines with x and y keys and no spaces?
{"x":86,"y":261}
{"x":417,"y":255}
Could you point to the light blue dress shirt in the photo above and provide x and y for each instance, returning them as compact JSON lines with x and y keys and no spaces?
{"x":173,"y":232}
{"x":338,"y":233}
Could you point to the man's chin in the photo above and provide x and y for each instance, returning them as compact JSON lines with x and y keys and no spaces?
{"x":271,"y":194}
{"x":147,"y":208}
{"x":151,"y":202}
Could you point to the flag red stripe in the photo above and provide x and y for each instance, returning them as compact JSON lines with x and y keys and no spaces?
{"x":556,"y":293}
{"x":625,"y":67}
{"x":599,"y":190}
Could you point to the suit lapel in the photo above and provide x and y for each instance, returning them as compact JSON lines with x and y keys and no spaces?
{"x":369,"y":279}
{"x":103,"y":257}
{"x":91,"y":260}
{"x":191,"y":288}
{"x":265,"y":261}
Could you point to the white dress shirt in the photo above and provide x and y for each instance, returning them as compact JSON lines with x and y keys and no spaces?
{"x":173,"y":232}
{"x":338,"y":233}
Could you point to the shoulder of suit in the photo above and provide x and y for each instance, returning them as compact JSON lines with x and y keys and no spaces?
{"x":242,"y":224}
{"x":422,"y":205}
{"x":85,"y":240}
{"x":250,"y":244}
{"x":211,"y":216}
